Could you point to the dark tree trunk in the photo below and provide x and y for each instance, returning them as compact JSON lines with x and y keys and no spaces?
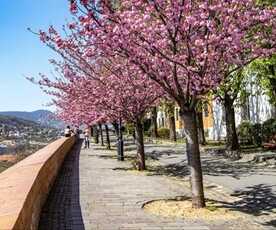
{"x":107,"y":137}
{"x":96,"y":134}
{"x":91,"y":132}
{"x":154,"y":133}
{"x":141,"y":165}
{"x":116,"y":127}
{"x":193,"y":157}
{"x":172,"y":128}
{"x":134,"y":136}
{"x":232,"y":141}
{"x":101,"y":133}
{"x":272,"y":82}
{"x":273,"y":111}
{"x":170,"y":112}
{"x":200,"y":128}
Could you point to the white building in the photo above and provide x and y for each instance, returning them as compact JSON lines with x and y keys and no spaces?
{"x":257,"y":110}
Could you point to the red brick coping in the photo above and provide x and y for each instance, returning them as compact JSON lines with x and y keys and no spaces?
{"x":25,"y":186}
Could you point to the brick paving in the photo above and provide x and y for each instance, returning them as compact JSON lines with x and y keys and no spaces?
{"x":90,"y":194}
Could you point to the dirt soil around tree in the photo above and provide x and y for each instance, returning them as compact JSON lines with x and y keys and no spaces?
{"x":212,"y":212}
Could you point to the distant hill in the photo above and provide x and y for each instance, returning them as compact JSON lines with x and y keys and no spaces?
{"x":18,"y":122}
{"x":38,"y":116}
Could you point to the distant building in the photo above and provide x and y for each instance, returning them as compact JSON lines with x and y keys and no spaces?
{"x":7,"y":143}
{"x":256,"y":110}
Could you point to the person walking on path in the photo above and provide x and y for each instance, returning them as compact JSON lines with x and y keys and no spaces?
{"x":86,"y":138}
{"x":77,"y":133}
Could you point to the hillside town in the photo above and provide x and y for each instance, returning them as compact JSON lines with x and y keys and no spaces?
{"x":14,"y":138}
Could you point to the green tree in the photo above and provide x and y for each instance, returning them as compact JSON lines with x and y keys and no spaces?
{"x":169,"y":108}
{"x":264,"y":71}
{"x":233,"y":90}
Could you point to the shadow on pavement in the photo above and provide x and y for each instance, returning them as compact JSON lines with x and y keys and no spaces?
{"x":259,"y":201}
{"x":176,"y":170}
{"x":62,"y":208}
{"x":220,"y":167}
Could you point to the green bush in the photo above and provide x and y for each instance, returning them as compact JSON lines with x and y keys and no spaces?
{"x":129,"y":128}
{"x":245,"y":131}
{"x":256,"y":134}
{"x":147,"y":124}
{"x":164,"y":132}
{"x":148,"y":132}
{"x":268,"y":129}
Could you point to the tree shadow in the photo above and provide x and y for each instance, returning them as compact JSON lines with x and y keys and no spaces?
{"x":179,"y":170}
{"x":220,"y":167}
{"x":62,"y":208}
{"x":258,"y":200}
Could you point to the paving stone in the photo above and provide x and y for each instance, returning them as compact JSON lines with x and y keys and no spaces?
{"x":89,"y":194}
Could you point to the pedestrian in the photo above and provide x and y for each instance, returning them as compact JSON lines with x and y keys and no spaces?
{"x":86,"y":138}
{"x":67,"y":131}
{"x":77,"y":133}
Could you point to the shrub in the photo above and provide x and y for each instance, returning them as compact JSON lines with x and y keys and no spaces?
{"x":148,"y":132}
{"x":257,"y":134}
{"x":147,"y":124}
{"x":268,"y":129}
{"x":245,"y":131}
{"x":129,"y":128}
{"x":164,"y":132}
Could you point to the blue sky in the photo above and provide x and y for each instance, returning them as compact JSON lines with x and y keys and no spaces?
{"x":23,"y":54}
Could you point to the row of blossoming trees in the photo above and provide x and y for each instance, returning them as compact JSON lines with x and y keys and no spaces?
{"x":122,"y":57}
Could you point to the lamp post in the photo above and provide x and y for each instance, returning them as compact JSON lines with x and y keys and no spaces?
{"x":120,"y":143}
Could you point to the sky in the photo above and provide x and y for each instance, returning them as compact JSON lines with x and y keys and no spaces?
{"x":23,"y":55}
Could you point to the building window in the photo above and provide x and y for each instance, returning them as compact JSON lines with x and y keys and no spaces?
{"x":176,"y":114}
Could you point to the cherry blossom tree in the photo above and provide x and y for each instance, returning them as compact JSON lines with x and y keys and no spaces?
{"x":97,"y":89}
{"x":184,"y":46}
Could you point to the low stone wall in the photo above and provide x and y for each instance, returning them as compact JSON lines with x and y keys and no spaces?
{"x":25,"y":186}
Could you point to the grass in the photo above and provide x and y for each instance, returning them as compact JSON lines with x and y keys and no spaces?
{"x":211,"y":208}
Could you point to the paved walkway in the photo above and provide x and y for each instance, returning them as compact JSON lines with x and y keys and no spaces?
{"x":90,"y":193}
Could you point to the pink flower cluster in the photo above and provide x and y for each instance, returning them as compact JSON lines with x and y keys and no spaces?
{"x":123,"y":55}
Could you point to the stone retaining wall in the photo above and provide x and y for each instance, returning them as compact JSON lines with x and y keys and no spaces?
{"x":25,"y":186}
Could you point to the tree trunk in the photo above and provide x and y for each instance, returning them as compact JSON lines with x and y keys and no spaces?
{"x":96,"y":134}
{"x":172,"y":128}
{"x":170,"y":112}
{"x":91,"y":132}
{"x":101,"y":133}
{"x":232,"y":141}
{"x":272,"y":82}
{"x":200,"y":128}
{"x":273,"y":111}
{"x":141,"y":165}
{"x":116,"y":127}
{"x":193,"y":157}
{"x":154,"y":133}
{"x":107,"y":137}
